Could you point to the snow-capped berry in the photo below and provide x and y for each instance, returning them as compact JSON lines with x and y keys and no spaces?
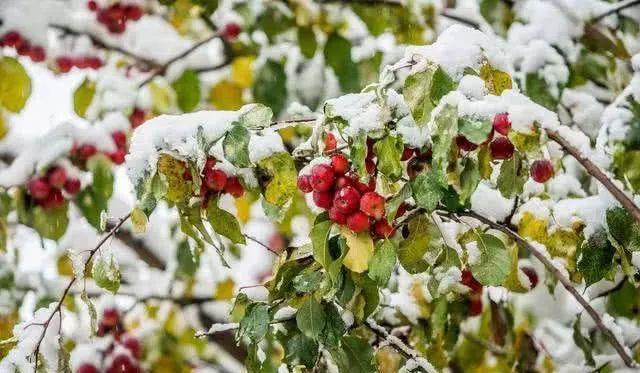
{"x":122,"y":364}
{"x":215,"y":179}
{"x":541,"y":170}
{"x":323,"y":199}
{"x":304,"y":183}
{"x":37,"y":54}
{"x":231,"y":31}
{"x":322,"y":177}
{"x":117,"y":157}
{"x":382,"y":229}
{"x":133,"y":12}
{"x":340,"y":164}
{"x":132,"y":344}
{"x":39,"y":188}
{"x":464,"y":144}
{"x":336,"y":216}
{"x":11,"y":39}
{"x":532,"y":275}
{"x":119,"y":138}
{"x":330,"y":142}
{"x":72,"y":186}
{"x":87,"y":368}
{"x":501,"y":148}
{"x":372,"y":204}
{"x":54,"y":199}
{"x":470,"y":281}
{"x":346,"y":200}
{"x":64,"y":64}
{"x":501,"y":123}
{"x":87,"y":150}
{"x":110,"y":317}
{"x":234,"y":187}
{"x":343,"y":181}
{"x":57,"y":176}
{"x":358,"y":222}
{"x":407,"y":153}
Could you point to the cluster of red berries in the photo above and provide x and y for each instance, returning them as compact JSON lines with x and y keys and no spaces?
{"x":137,"y":117}
{"x":65,"y":64}
{"x":215,"y":181}
{"x":349,"y":201}
{"x":22,"y":46}
{"x":46,"y":190}
{"x":124,"y":360}
{"x":81,"y":153}
{"x":116,"y":16}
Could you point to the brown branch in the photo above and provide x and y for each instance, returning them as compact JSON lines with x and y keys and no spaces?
{"x":597,"y":173}
{"x":460,"y":19}
{"x":58,"y":307}
{"x":617,"y":8}
{"x":611,"y":338}
{"x":144,"y":253}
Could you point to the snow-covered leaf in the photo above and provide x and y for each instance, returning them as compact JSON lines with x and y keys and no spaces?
{"x":389,"y":150}
{"x":445,"y":128}
{"x":280,"y":170}
{"x":428,"y":189}
{"x":106,"y":273}
{"x":496,"y":81}
{"x":236,"y":146}
{"x":93,"y":315}
{"x":255,"y":116}
{"x":623,"y":228}
{"x":474,"y":129}
{"x":255,"y":323}
{"x":416,"y":93}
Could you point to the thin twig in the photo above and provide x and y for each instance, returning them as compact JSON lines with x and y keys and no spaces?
{"x":617,"y":8}
{"x":460,"y":19}
{"x":58,"y":307}
{"x":628,"y":360}
{"x":223,"y":327}
{"x":597,"y":173}
{"x":290,"y":123}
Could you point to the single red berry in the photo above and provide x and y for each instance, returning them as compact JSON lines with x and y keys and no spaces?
{"x":54,"y":199}
{"x":346,"y":200}
{"x":464,"y":144}
{"x":382,"y":229}
{"x":87,"y":368}
{"x":117,"y":157}
{"x":93,"y":62}
{"x":340,"y":164}
{"x":372,"y":204}
{"x":132,"y":344}
{"x":407,"y":153}
{"x":37,"y":54}
{"x":117,"y":27}
{"x":541,"y":170}
{"x":120,"y":139}
{"x":470,"y":281}
{"x":110,"y":317}
{"x":215,"y":180}
{"x":39,"y":188}
{"x":92,"y":5}
{"x":276,"y":242}
{"x":401,"y":210}
{"x":72,"y":186}
{"x":501,"y":123}
{"x":330,"y":142}
{"x":358,"y":222}
{"x":501,"y":148}
{"x":532,"y":275}
{"x":56,"y":177}
{"x":304,"y":183}
{"x":23,"y":48}
{"x":87,"y":150}
{"x":231,"y":31}
{"x":337,"y":217}
{"x":475,"y":306}
{"x":64,"y":64}
{"x":322,"y":177}
{"x":323,"y":199}
{"x":133,"y":12}
{"x":122,"y":364}
{"x":234,"y":187}
{"x":11,"y":39}
{"x":343,"y":181}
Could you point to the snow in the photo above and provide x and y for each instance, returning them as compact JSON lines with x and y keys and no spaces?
{"x":490,"y":203}
{"x":361,"y":111}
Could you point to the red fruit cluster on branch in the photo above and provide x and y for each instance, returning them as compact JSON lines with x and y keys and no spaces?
{"x":80,"y":153}
{"x":501,"y":147}
{"x":22,"y":46}
{"x":115,"y":16}
{"x":46,"y":191}
{"x":215,"y":181}
{"x":65,"y":64}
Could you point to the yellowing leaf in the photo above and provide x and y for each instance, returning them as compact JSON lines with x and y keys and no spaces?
{"x":4,"y":126}
{"x":242,"y":71}
{"x":281,"y":170}
{"x":243,"y":209}
{"x":178,"y":189}
{"x":226,"y":95}
{"x":82,"y":97}
{"x":15,"y":84}
{"x":138,"y":220}
{"x":224,"y":290}
{"x":532,"y":228}
{"x":495,"y":80}
{"x":162,"y":97}
{"x":64,"y":266}
{"x":360,"y":250}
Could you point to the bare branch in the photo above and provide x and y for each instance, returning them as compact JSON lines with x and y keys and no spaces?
{"x":615,"y":9}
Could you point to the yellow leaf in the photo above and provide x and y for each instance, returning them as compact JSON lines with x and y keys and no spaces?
{"x":495,"y":80}
{"x":139,"y":220}
{"x":83,"y":96}
{"x":242,"y":71}
{"x":162,"y":97}
{"x":224,"y":290}
{"x":4,"y":126}
{"x":533,"y":228}
{"x":15,"y":84}
{"x":226,"y":95}
{"x":243,"y":208}
{"x":65,"y":268}
{"x":178,"y":189}
{"x":360,"y":249}
{"x":513,"y":280}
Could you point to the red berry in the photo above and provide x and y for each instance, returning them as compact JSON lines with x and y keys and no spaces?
{"x":37,"y":54}
{"x":343,"y":181}
{"x":407,"y":153}
{"x":87,"y":368}
{"x":54,"y":199}
{"x":330,"y":142}
{"x":64,"y":64}
{"x":501,"y":123}
{"x":475,"y":306}
{"x":210,"y":163}
{"x":362,"y":187}
{"x":132,"y":344}
{"x":120,"y":139}
{"x":323,"y":199}
{"x":116,"y":27}
{"x":23,"y":48}
{"x":372,"y":204}
{"x":276,"y":242}
{"x":117,"y":157}
{"x":231,"y":31}
{"x":186,"y":175}
{"x":137,"y":117}
{"x":346,"y":200}
{"x":337,"y":217}
{"x":322,"y":177}
{"x":123,"y":364}
{"x":464,"y":144}
{"x":133,"y":12}
{"x":358,"y":222}
{"x":110,"y":317}
{"x":340,"y":164}
{"x":532,"y":275}
{"x":93,"y":62}
{"x":501,"y":148}
{"x":39,"y":188}
{"x":92,"y":5}
{"x":470,"y":281}
{"x":382,"y":229}
{"x":234,"y":187}
{"x":72,"y":186}
{"x":215,"y":179}
{"x":11,"y":39}
{"x":304,"y":183}
{"x":56,"y":177}
{"x":541,"y":170}
{"x":87,"y":150}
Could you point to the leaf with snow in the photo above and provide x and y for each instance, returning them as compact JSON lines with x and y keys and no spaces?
{"x":416,"y":94}
{"x":358,"y":155}
{"x":428,"y":189}
{"x":492,"y":266}
{"x":596,"y":259}
{"x":139,"y":220}
{"x":445,"y":128}
{"x":412,"y":249}
{"x":355,"y":355}
{"x":623,"y":228}
{"x":393,"y":204}
{"x":496,"y":80}
{"x":106,"y":273}
{"x":255,"y":116}
{"x":512,"y":176}
{"x":15,"y":84}
{"x":584,"y":343}
{"x":236,"y":146}
{"x":50,"y":223}
{"x":475,"y":130}
{"x":93,"y":315}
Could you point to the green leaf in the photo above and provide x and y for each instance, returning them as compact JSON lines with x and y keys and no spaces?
{"x":334,"y":327}
{"x":597,"y":257}
{"x":358,"y":155}
{"x":15,"y":84}
{"x":94,"y":199}
{"x":412,"y":250}
{"x":337,"y":54}
{"x":441,"y":84}
{"x":187,"y":88}
{"x":308,"y":281}
{"x":106,"y":273}
{"x":496,"y":81}
{"x":383,"y":262}
{"x":394,"y":203}
{"x":50,"y":223}
{"x":623,"y":228}
{"x":255,"y":323}
{"x":280,"y":170}
{"x":493,"y":265}
{"x":83,"y":96}
{"x":428,"y":189}
{"x":584,"y":343}
{"x":255,"y":116}
{"x":416,"y":94}
{"x":310,"y":318}
{"x":469,"y":179}
{"x":320,"y":240}
{"x":360,"y":249}
{"x":224,"y":223}
{"x":475,"y":130}
{"x":188,"y":259}
{"x":389,"y":151}
{"x":301,"y":350}
{"x":307,"y":41}
{"x":538,"y":91}
{"x":445,"y":130}
{"x":512,"y":176}
{"x":270,"y":86}
{"x":354,"y":356}
{"x":236,"y":146}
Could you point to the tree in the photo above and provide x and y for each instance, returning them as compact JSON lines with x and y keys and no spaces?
{"x":359,"y":185}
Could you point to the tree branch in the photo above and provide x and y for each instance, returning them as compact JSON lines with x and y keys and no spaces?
{"x":143,"y":252}
{"x":597,"y":173}
{"x":615,"y":9}
{"x":611,"y":338}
